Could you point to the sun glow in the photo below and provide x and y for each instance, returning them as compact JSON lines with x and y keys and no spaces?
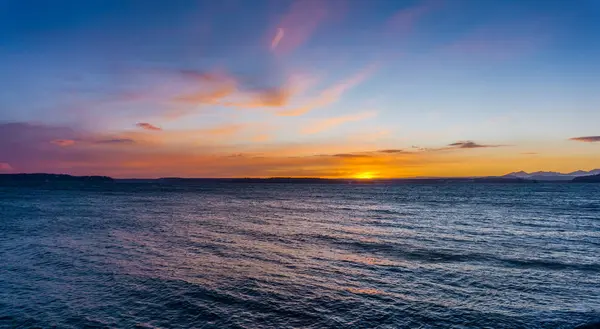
{"x":365,"y":175}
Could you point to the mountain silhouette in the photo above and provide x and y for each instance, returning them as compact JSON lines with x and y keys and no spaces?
{"x":552,"y":175}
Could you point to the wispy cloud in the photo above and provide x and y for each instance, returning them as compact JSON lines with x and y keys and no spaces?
{"x":278,"y":36}
{"x":270,"y":97}
{"x":403,"y":21}
{"x":298,"y":25}
{"x":204,"y":97}
{"x":329,"y":95}
{"x":392,"y":151}
{"x":63,"y":142}
{"x":148,"y":126}
{"x":329,"y":123}
{"x":470,"y":145}
{"x":261,"y":138}
{"x":5,"y":166}
{"x":223,"y":130}
{"x":114,"y":141}
{"x":351,"y":155}
{"x":586,"y":139}
{"x":226,"y":90}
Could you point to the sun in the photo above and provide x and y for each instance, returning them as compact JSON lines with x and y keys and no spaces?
{"x":364,"y":175}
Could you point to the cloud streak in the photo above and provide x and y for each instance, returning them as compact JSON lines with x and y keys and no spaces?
{"x":148,"y":126}
{"x":63,"y":142}
{"x":351,"y":155}
{"x":586,"y":139}
{"x":329,"y":95}
{"x":470,"y":145}
{"x":404,"y":21}
{"x":392,"y":151}
{"x":330,"y":123}
{"x":114,"y":141}
{"x":299,"y":23}
{"x":278,"y":36}
{"x":226,"y":90}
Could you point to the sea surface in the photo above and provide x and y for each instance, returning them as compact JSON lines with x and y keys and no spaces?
{"x":241,"y":255}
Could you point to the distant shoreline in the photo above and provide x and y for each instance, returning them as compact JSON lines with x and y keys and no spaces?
{"x":42,"y":178}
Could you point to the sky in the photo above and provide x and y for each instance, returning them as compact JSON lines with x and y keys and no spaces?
{"x":299,"y":88}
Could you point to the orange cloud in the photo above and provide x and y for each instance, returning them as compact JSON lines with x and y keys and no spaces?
{"x":225,"y":90}
{"x":261,"y":138}
{"x":63,"y":142}
{"x":329,"y":95}
{"x":204,"y":97}
{"x":329,"y":123}
{"x":187,"y":154}
{"x":299,"y":23}
{"x":274,"y":97}
{"x":148,"y":126}
{"x":228,"y":129}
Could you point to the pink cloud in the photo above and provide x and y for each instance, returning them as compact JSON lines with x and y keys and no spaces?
{"x":5,"y":166}
{"x":63,"y":142}
{"x":298,"y":25}
{"x":148,"y":126}
{"x":329,"y":95}
{"x":329,"y":123}
{"x":586,"y":139}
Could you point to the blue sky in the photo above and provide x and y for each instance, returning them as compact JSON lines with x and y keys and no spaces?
{"x":250,"y":77}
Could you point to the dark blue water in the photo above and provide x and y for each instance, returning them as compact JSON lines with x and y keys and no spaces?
{"x":301,"y":256}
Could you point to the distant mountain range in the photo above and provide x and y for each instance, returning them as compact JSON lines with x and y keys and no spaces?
{"x":551,"y":175}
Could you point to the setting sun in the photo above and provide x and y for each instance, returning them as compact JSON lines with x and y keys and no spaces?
{"x":365,"y":175}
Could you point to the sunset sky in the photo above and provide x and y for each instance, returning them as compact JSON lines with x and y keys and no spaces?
{"x":319,"y":88}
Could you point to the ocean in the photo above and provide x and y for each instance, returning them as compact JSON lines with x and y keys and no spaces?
{"x":251,"y":255}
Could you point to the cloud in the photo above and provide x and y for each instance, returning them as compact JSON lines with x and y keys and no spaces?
{"x":329,"y":123}
{"x":278,"y":36}
{"x":298,"y":25}
{"x":63,"y":142}
{"x":5,"y":166}
{"x":148,"y":126}
{"x":203,"y":97}
{"x":226,"y":90}
{"x":270,"y":97}
{"x":223,"y":130}
{"x":586,"y":139}
{"x":114,"y":141}
{"x":261,"y":138}
{"x":329,"y":95}
{"x":470,"y":145}
{"x":351,"y":155}
{"x":392,"y":151}
{"x":404,"y":20}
